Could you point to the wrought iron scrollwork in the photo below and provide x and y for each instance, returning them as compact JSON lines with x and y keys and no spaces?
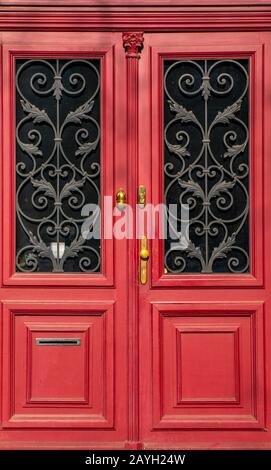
{"x":207,"y":163}
{"x":57,"y":163}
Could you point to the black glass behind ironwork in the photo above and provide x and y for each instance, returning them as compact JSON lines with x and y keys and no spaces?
{"x":206,"y":164}
{"x":57,"y":164}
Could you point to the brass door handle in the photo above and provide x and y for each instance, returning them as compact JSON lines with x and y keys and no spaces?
{"x":121,"y":199}
{"x":144,"y":256}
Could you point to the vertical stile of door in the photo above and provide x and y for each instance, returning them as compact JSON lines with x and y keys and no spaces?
{"x":132,"y":43}
{"x":1,"y":218}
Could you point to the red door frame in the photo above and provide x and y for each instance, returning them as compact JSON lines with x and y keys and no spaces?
{"x":116,"y":15}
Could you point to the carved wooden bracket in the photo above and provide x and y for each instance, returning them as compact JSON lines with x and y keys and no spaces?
{"x":133,"y":44}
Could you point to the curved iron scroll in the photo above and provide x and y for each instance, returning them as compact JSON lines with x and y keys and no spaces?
{"x":207,"y":164}
{"x":57,"y":163}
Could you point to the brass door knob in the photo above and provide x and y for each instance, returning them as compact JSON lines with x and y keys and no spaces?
{"x":144,"y":254}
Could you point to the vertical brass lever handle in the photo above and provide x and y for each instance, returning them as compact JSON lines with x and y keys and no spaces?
{"x":144,"y":256}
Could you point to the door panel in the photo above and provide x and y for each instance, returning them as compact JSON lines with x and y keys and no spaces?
{"x":59,"y":362}
{"x":60,"y":121}
{"x":223,"y":54}
{"x":212,"y":357}
{"x":203,"y":311}
{"x":64,"y":322}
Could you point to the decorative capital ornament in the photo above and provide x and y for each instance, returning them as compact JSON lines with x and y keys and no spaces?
{"x":133,"y":44}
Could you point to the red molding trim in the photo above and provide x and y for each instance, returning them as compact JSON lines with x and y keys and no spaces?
{"x":21,"y":445}
{"x":214,"y":445}
{"x":132,"y":3}
{"x":147,"y":15}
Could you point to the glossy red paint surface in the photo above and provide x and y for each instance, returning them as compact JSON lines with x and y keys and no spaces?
{"x":183,"y":362}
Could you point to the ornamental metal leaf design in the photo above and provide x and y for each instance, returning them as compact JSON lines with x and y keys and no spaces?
{"x":193,"y":187}
{"x":39,"y":246}
{"x":38,"y":115}
{"x":45,"y":186}
{"x":234,"y":150}
{"x":71,"y":186}
{"x":223,"y":248}
{"x":58,"y":163}
{"x":75,"y":247}
{"x":206,"y":109}
{"x":179,"y":150}
{"x":80,"y":113}
{"x":181,"y":113}
{"x":206,"y":88}
{"x":228,"y":113}
{"x":58,"y":88}
{"x":86,"y":148}
{"x":221,"y":251}
{"x":30,"y":148}
{"x":220,"y":187}
{"x":194,"y":251}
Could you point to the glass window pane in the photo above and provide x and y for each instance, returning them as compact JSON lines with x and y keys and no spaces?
{"x":57,"y":164}
{"x":206,"y":163}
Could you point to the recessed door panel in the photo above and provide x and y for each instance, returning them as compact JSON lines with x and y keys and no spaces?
{"x":60,"y":165}
{"x":207,"y":359}
{"x":61,"y":366}
{"x":205,"y":112}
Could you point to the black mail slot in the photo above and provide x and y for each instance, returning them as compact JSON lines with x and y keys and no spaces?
{"x":58,"y":341}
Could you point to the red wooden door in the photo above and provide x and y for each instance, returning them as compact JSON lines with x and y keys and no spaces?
{"x":64,"y":322}
{"x":93,"y":358}
{"x":203,"y":315}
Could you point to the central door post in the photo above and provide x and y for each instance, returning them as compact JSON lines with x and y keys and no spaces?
{"x":133,"y":45}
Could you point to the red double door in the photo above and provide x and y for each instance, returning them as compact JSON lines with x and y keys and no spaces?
{"x":91,"y":356}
